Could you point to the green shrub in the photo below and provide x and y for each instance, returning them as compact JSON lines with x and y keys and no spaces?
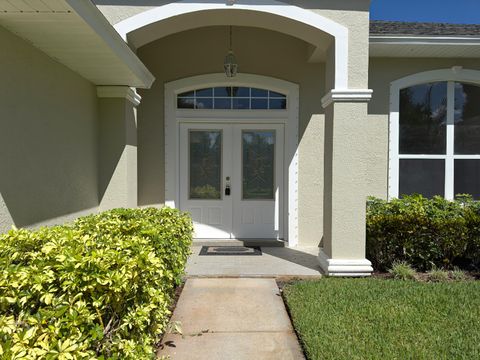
{"x":98,"y":288}
{"x":424,"y":232}
{"x":402,"y":271}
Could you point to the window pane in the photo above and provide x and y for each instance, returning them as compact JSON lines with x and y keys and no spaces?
{"x":258,"y":164}
{"x":222,"y":91}
{"x":241,"y":103}
{"x":204,"y":103}
{"x":423,"y":113}
{"x":426,"y":177}
{"x":280,"y":104}
{"x":467,"y":119}
{"x":259,"y":93}
{"x":204,"y":92}
{"x":241,"y":92}
{"x":275,"y":94}
{"x":467,"y":177}
{"x":223,"y":103}
{"x":186,"y":103}
{"x":187,"y":94}
{"x":205,"y":164}
{"x":259,"y":104}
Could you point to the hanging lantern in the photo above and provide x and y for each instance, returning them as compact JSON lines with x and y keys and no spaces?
{"x":230,"y":64}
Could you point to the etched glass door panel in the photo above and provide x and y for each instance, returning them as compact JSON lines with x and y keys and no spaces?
{"x":205,"y":158}
{"x":258,"y":160}
{"x":205,"y":164}
{"x":258,"y":190}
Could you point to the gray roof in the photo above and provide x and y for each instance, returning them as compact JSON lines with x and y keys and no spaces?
{"x":399,"y":28}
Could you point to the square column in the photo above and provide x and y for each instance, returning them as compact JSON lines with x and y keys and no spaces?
{"x":117,"y":185}
{"x":344,"y":237}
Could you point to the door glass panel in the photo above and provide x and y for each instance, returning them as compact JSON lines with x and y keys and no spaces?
{"x":425,"y":177}
{"x":423,"y":114}
{"x":258,"y":159}
{"x":467,"y":119}
{"x":467,"y":177}
{"x":205,"y":169}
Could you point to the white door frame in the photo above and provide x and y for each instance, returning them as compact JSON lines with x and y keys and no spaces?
{"x":289,"y":117}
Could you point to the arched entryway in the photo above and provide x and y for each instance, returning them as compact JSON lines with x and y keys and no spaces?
{"x":252,"y":137}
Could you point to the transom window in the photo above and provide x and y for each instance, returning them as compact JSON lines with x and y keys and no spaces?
{"x":439,"y":140}
{"x":232,"y":98}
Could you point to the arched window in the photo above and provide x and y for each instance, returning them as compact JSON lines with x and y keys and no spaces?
{"x":232,"y":98}
{"x":437,"y":140}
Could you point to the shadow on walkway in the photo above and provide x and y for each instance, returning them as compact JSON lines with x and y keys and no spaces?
{"x":298,"y":257}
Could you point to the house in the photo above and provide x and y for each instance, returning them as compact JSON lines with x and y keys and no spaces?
{"x":264,"y":119}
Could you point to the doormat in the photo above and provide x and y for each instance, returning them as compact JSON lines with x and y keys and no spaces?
{"x":230,"y":250}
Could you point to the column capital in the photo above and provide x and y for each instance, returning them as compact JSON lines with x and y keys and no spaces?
{"x":346,"y":95}
{"x":123,"y":92}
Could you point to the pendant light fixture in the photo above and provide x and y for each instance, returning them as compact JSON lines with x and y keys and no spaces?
{"x":230,"y":65}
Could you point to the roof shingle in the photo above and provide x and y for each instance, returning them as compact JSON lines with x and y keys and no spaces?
{"x":400,"y":28}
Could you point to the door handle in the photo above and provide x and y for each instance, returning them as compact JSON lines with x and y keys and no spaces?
{"x":227,"y":186}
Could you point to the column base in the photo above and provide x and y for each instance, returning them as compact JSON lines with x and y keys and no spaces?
{"x":344,"y":267}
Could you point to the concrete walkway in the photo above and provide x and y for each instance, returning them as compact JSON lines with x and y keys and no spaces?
{"x":274,"y":262}
{"x":232,"y":319}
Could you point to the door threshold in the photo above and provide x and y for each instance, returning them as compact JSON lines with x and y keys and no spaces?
{"x":240,"y":242}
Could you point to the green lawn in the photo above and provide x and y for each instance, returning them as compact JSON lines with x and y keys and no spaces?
{"x":386,"y":319}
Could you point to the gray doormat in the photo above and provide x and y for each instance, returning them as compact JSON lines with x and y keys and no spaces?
{"x":230,"y":250}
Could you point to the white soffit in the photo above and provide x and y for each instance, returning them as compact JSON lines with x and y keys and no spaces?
{"x":425,"y":47}
{"x":76,"y":34}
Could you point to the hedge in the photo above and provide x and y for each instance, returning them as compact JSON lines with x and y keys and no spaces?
{"x":98,"y":288}
{"x":425,"y":233}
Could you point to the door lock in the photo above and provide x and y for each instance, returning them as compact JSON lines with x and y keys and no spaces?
{"x":227,"y":186}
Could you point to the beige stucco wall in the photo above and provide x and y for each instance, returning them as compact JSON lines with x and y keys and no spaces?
{"x":48,"y":138}
{"x":382,"y":72}
{"x":260,"y":52}
{"x":117,"y":156}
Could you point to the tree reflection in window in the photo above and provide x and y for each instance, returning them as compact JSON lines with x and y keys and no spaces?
{"x":258,"y":150}
{"x":423,"y":115}
{"x":205,"y":164}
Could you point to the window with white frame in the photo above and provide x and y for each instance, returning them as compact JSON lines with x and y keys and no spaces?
{"x":438,"y":140}
{"x":232,"y":98}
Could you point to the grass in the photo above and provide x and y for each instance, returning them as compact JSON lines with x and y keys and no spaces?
{"x":386,"y":319}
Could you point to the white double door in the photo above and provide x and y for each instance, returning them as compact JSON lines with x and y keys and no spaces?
{"x":231,"y":179}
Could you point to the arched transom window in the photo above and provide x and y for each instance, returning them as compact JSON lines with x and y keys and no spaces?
{"x":232,"y":98}
{"x":439,"y":140}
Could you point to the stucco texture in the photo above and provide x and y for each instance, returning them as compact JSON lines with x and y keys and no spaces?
{"x":48,"y":138}
{"x":259,"y":52}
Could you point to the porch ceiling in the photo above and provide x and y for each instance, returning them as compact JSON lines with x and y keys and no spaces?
{"x":76,"y":34}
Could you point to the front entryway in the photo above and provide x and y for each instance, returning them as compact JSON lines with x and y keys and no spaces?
{"x":232,"y":179}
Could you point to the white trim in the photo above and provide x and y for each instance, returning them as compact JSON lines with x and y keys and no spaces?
{"x":344,"y":267}
{"x":104,"y":30}
{"x":454,"y":74}
{"x":289,"y":117}
{"x":295,"y":13}
{"x":123,"y":92}
{"x":350,"y":95}
{"x":424,"y":40}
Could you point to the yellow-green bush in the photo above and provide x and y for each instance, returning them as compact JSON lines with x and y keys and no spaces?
{"x":98,"y":288}
{"x":424,"y":232}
